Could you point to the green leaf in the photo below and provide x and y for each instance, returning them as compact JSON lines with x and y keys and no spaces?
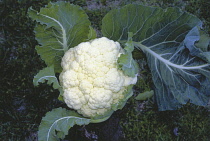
{"x":126,"y":62}
{"x":60,"y":97}
{"x":198,"y":43}
{"x":145,"y":95}
{"x":204,"y":41}
{"x":204,"y":45}
{"x":92,"y":34}
{"x":57,"y":123}
{"x":206,"y":56}
{"x":46,"y":74}
{"x":167,"y":36}
{"x":147,"y":23}
{"x":102,"y":118}
{"x":60,"y":26}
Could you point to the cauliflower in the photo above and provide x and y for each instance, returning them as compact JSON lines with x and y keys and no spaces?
{"x":91,"y":79}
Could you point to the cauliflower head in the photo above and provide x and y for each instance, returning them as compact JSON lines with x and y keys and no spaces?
{"x":91,"y":79}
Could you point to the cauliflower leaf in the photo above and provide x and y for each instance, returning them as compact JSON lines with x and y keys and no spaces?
{"x":128,"y":65}
{"x":57,"y":30}
{"x":48,"y":74}
{"x":97,"y":76}
{"x":57,"y":122}
{"x":180,"y":70}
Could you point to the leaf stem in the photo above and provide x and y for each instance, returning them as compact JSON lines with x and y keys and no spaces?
{"x":146,"y":49}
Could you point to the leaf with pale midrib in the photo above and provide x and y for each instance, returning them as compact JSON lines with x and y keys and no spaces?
{"x":167,"y":37}
{"x":57,"y":123}
{"x":60,"y":26}
{"x":48,"y":74}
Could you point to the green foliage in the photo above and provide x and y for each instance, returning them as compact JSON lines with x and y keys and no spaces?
{"x":57,"y":30}
{"x":92,"y":33}
{"x":145,"y":95}
{"x":23,"y":105}
{"x":119,"y":22}
{"x":57,"y":122}
{"x":61,"y":26}
{"x":204,"y":42}
{"x":167,"y":37}
{"x":126,"y":62}
{"x":46,"y":74}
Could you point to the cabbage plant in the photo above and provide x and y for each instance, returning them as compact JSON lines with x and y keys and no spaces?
{"x":176,"y":48}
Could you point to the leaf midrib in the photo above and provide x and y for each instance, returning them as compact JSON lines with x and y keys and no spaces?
{"x":55,"y":122}
{"x":64,"y":43}
{"x":165,"y":61}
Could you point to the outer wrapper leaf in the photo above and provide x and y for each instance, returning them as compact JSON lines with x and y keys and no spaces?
{"x":48,"y":74}
{"x":57,"y":122}
{"x":60,"y":26}
{"x":180,"y":70}
{"x":126,"y":62}
{"x":92,"y":33}
{"x":127,"y":94}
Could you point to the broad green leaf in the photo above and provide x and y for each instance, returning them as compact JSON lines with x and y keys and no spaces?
{"x":167,"y":37}
{"x":147,"y":24}
{"x":57,"y":123}
{"x":48,"y":74}
{"x":126,"y":62}
{"x":60,"y":26}
{"x":92,"y":33}
{"x":145,"y":95}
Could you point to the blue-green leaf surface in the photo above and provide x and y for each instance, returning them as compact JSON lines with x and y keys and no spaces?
{"x":203,"y":46}
{"x":180,"y":70}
